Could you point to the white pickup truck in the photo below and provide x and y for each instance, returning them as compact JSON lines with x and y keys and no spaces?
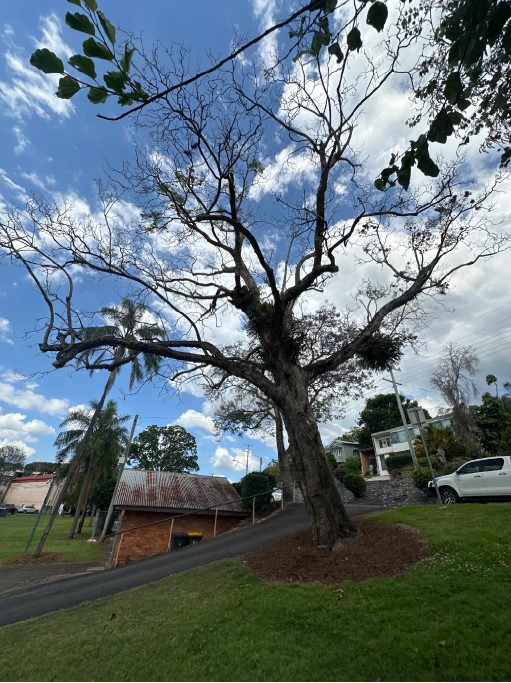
{"x":484,"y":479}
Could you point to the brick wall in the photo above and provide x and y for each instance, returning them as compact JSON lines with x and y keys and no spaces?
{"x":153,"y":540}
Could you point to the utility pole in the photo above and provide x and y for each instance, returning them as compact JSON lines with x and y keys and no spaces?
{"x":404,"y":420}
{"x":417,"y":418}
{"x":122,"y":463}
{"x":248,"y":452}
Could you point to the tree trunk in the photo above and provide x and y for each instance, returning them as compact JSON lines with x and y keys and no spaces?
{"x":283,"y":455}
{"x":81,"y":505}
{"x":77,"y":460}
{"x":330,"y":523}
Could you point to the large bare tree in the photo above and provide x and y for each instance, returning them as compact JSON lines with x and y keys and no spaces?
{"x":204,"y":247}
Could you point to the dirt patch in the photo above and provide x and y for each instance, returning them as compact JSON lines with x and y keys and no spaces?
{"x":382,"y":549}
{"x":27,"y":560}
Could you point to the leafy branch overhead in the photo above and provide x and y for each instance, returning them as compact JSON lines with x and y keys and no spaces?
{"x":101,"y":45}
{"x":463,"y":80}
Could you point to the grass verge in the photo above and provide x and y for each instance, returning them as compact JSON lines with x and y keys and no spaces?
{"x":15,"y":531}
{"x":447,"y":619}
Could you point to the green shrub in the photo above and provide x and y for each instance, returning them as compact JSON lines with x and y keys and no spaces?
{"x":421,"y":476}
{"x":399,"y":460}
{"x":352,"y":465}
{"x":340,"y":473}
{"x":355,"y":483}
{"x":331,"y":460}
{"x":259,"y":484}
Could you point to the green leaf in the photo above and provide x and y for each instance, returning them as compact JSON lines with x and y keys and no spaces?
{"x":426,"y":164}
{"x":318,"y":40}
{"x":506,"y":40}
{"x":125,"y":61}
{"x":91,"y":4}
{"x":83,"y":64}
{"x":68,"y":86}
{"x":354,"y":40}
{"x":108,"y":28}
{"x":80,"y":22}
{"x":453,"y":87}
{"x":115,"y":80}
{"x":403,"y":177}
{"x":97,"y":95}
{"x":75,"y":2}
{"x":377,"y":15}
{"x":47,"y":61}
{"x":441,"y":128}
{"x":94,"y":48}
{"x":125,"y":99}
{"x":335,"y":50}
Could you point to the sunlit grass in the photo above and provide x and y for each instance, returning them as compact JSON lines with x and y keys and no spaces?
{"x":15,"y":531}
{"x":448,"y":618}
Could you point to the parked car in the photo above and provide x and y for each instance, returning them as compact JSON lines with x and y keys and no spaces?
{"x":28,"y":509}
{"x":11,"y":509}
{"x":486,"y":479}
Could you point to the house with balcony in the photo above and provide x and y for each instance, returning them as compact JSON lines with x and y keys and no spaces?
{"x":393,"y":441}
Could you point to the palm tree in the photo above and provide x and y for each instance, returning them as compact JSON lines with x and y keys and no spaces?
{"x":100,"y":456}
{"x":128,"y":323}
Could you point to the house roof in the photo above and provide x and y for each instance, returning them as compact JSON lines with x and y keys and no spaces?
{"x":438,"y":418}
{"x":32,"y":478}
{"x":172,"y":490}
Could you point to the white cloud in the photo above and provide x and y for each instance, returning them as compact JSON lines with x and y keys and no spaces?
{"x":192,"y":418}
{"x":18,"y":444}
{"x":29,"y":92}
{"x":5,"y":331}
{"x":21,"y":140}
{"x":234,"y":459}
{"x":15,"y":430}
{"x":28,"y":399}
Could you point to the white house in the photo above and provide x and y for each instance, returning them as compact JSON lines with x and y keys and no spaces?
{"x":391,"y":441}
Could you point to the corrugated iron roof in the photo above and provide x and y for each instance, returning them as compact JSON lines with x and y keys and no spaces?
{"x":148,"y":489}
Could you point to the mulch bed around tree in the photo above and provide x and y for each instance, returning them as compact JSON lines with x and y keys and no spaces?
{"x":382,"y":549}
{"x":27,"y":559}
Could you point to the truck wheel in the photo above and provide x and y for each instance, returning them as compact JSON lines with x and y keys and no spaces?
{"x":448,"y":496}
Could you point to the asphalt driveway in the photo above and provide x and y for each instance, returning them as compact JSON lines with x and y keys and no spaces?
{"x":41,"y":594}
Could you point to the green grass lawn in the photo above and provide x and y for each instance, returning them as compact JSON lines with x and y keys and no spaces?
{"x":15,"y":531}
{"x":448,"y":618}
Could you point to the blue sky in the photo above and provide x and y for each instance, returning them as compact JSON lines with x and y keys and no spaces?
{"x":54,"y":147}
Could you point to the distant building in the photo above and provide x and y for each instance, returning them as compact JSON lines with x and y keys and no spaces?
{"x":31,"y":490}
{"x":391,"y":441}
{"x":162,"y":511}
{"x":341,"y":449}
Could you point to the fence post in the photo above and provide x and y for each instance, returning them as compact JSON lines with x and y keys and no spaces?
{"x":214,"y":528}
{"x":253,"y":510}
{"x":170,"y":534}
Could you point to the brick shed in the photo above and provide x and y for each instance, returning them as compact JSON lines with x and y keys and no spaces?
{"x":159,"y":509}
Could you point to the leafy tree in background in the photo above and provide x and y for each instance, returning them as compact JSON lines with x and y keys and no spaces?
{"x":103,"y":448}
{"x":443,"y":438}
{"x":11,"y":458}
{"x":201,"y":249}
{"x":164,"y":449}
{"x":41,"y":467}
{"x":381,"y":412}
{"x":493,"y":419}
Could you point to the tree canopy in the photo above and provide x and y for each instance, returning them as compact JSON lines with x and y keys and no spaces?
{"x":164,"y":449}
{"x":381,"y":412}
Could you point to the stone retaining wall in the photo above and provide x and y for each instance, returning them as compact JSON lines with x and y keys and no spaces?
{"x":389,"y":493}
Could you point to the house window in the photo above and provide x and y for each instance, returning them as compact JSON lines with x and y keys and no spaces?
{"x":385,"y":443}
